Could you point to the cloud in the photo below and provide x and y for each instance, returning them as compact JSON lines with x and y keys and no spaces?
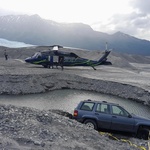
{"x":135,"y":23}
{"x":141,"y":5}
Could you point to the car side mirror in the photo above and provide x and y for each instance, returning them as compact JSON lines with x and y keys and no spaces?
{"x":129,"y":116}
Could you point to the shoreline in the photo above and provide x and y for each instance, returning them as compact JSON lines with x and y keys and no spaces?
{"x":40,"y":83}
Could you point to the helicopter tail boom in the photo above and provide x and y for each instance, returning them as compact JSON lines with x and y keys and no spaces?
{"x":104,"y":57}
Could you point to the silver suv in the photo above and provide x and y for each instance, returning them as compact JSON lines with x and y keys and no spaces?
{"x":110,"y":116}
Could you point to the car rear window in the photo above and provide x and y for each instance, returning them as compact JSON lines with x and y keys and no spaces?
{"x":87,"y":106}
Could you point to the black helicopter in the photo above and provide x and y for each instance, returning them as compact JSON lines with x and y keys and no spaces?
{"x":54,"y":56}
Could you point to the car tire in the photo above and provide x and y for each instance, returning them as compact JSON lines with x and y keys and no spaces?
{"x":90,"y":124}
{"x":143,"y":134}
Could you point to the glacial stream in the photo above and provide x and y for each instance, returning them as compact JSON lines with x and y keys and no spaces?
{"x":67,"y":100}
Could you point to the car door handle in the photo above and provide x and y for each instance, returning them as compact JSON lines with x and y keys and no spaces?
{"x":96,"y":113}
{"x":114,"y":116}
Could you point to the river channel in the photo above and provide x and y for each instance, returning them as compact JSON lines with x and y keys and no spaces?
{"x":67,"y":100}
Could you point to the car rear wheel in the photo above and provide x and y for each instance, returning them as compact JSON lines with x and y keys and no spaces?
{"x":143,"y":134}
{"x":91,"y":124}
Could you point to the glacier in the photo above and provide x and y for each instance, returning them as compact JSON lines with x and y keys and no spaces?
{"x":13,"y":44}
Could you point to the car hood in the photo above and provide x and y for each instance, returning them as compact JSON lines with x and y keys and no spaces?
{"x":141,"y":118}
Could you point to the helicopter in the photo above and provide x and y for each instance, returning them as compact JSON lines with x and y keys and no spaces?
{"x":54,"y":56}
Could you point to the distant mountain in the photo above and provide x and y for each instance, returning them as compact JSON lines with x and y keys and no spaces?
{"x":13,"y":44}
{"x":37,"y":31}
{"x":128,"y":44}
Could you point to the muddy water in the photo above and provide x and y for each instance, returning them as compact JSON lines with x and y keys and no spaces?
{"x":67,"y":100}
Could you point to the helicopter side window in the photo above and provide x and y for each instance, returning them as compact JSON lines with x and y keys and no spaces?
{"x":69,"y":59}
{"x":72,"y":59}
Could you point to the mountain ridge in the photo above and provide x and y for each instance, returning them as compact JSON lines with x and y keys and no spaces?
{"x":37,"y":31}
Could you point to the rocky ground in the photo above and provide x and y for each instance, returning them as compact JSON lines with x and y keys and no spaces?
{"x":26,"y":128}
{"x":30,"y":129}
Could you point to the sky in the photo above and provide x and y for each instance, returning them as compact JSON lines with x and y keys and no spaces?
{"x":128,"y":16}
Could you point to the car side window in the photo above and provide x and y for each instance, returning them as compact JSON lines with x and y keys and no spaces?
{"x":102,"y":108}
{"x":116,"y":110}
{"x":87,"y":106}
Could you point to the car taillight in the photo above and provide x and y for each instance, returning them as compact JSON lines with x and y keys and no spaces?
{"x":75,"y":113}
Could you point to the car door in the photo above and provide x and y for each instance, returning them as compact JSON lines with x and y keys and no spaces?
{"x":121,"y":119}
{"x":103,"y":115}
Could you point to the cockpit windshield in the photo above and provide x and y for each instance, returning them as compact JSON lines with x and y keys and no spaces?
{"x":36,"y":55}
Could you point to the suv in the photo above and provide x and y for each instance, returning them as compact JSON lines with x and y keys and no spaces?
{"x":110,"y":116}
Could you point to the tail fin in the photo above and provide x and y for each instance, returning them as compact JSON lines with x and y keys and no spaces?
{"x":104,"y":57}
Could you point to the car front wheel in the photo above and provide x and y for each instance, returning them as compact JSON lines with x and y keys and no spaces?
{"x":143,"y":134}
{"x":90,"y":124}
